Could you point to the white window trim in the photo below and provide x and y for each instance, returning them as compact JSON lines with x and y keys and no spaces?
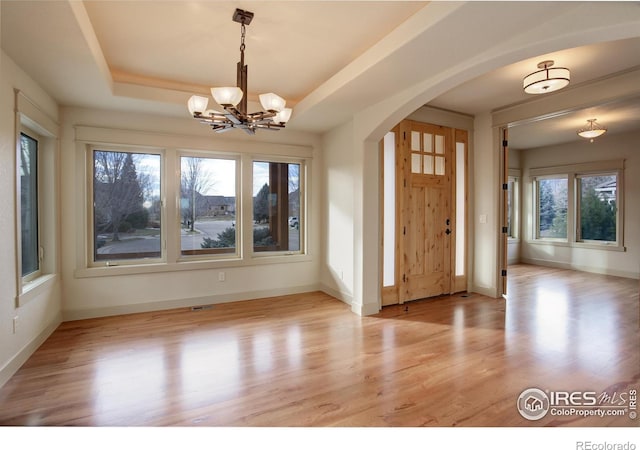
{"x":31,"y":120}
{"x":172,"y":145}
{"x":572,"y":172}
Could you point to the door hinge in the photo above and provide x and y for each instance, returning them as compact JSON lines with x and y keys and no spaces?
{"x":505,"y":143}
{"x":404,"y":135}
{"x":505,"y":187}
{"x":404,"y":230}
{"x":504,"y":272}
{"x":505,"y":230}
{"x":404,"y":278}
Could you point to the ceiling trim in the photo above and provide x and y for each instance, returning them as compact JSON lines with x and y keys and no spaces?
{"x":86,"y":28}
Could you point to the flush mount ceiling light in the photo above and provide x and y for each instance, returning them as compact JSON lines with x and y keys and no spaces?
{"x":234,"y":99}
{"x":547,"y":79}
{"x":592,"y":130}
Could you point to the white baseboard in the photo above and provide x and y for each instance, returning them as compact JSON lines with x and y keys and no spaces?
{"x":368,"y":309}
{"x":489,"y":292}
{"x":80,"y":314}
{"x":342,"y":296}
{"x":581,"y":268}
{"x":12,"y":366}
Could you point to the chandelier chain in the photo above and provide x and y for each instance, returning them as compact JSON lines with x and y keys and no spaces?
{"x":242,"y":46}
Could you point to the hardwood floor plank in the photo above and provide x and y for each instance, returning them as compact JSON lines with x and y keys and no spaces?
{"x":306,"y":360}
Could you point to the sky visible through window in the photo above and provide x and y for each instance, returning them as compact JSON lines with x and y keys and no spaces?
{"x":220,"y":170}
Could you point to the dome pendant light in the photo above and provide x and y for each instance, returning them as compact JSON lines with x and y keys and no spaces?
{"x":547,"y":79}
{"x":592,"y":130}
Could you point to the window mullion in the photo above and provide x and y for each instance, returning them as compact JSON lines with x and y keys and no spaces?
{"x":170,"y":206}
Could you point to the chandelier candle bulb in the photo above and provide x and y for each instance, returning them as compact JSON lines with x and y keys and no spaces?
{"x":272,"y":102}
{"x":227,"y":95}
{"x":283,"y":116}
{"x":197,"y":104}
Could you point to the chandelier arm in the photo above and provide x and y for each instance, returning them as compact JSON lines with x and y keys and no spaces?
{"x":233,"y":115}
{"x":262,"y":115}
{"x":270,"y":126}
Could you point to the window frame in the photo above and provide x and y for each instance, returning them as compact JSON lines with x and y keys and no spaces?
{"x":171,"y":145}
{"x":536,"y":214}
{"x":302,"y":187}
{"x":573,"y":172}
{"x":578,"y":214}
{"x":514,"y":178}
{"x":31,"y":134}
{"x":210,"y":256}
{"x":34,"y":122}
{"x":91,"y":241}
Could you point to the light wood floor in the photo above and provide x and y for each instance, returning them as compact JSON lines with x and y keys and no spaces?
{"x":306,"y":360}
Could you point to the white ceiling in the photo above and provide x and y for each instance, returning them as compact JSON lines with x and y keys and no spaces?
{"x":502,"y":88}
{"x":149,"y":56}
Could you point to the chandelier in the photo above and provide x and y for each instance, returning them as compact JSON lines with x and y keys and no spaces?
{"x":592,"y":130}
{"x":547,"y":79}
{"x":234,"y":99}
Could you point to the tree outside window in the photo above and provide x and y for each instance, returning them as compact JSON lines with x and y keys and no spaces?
{"x":598,"y":208}
{"x":207,"y":205}
{"x":29,"y":205}
{"x":552,"y":207}
{"x":276,"y":206}
{"x":127,"y":207}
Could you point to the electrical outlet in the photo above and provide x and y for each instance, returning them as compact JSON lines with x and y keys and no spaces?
{"x":221,"y":276}
{"x":15,"y":324}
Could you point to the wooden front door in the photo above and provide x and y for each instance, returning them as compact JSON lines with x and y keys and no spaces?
{"x":425,"y":214}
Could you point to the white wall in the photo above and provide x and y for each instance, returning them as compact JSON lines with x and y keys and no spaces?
{"x":484,"y":216}
{"x":41,"y":314}
{"x":336,"y":217}
{"x":103,"y":291}
{"x":607,"y":147}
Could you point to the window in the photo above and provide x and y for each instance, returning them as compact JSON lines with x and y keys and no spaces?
{"x":597,"y":197}
{"x":580,"y":204}
{"x":29,"y":207}
{"x":169,"y":203}
{"x":36,"y":200}
{"x":126,"y":206}
{"x":552,"y":207}
{"x":277,"y":206}
{"x":513,"y":193}
{"x":207,"y":206}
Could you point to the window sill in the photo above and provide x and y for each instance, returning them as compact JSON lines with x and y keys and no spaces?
{"x":116,"y":270}
{"x":33,"y":289}
{"x":585,"y":245}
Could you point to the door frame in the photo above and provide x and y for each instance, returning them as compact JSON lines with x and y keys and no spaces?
{"x":391,"y":294}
